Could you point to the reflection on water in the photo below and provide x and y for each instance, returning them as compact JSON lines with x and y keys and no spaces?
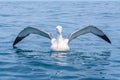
{"x":85,"y":58}
{"x":60,"y":57}
{"x":83,"y":64}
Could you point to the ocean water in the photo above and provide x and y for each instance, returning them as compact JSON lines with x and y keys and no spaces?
{"x":90,"y":58}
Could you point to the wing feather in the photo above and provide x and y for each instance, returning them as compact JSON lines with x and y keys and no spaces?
{"x":30,"y":30}
{"x":89,"y":29}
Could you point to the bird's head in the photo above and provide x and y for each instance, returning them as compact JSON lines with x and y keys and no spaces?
{"x":59,"y":29}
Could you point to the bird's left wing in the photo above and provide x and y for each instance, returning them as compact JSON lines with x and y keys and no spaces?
{"x":88,"y":29}
{"x":30,"y":30}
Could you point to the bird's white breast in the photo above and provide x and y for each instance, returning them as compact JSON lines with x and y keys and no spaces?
{"x":59,"y":45}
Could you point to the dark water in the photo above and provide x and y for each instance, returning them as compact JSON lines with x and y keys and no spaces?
{"x":90,"y":58}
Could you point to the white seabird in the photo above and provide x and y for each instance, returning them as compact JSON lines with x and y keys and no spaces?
{"x":61,"y":44}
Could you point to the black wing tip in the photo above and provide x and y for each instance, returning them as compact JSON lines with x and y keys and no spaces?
{"x":106,"y":39}
{"x":18,"y":39}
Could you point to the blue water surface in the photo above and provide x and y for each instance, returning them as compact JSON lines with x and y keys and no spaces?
{"x":90,"y":58}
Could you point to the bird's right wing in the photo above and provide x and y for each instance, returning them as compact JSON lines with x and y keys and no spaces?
{"x":30,"y":30}
{"x":88,"y":29}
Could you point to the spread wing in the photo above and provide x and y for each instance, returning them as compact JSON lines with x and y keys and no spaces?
{"x":88,"y":29}
{"x":30,"y":30}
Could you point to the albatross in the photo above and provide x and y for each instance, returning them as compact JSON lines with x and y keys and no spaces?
{"x":59,"y":43}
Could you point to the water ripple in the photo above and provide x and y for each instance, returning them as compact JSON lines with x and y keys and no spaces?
{"x":89,"y":57}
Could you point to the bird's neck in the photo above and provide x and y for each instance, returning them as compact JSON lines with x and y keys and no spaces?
{"x":60,"y":36}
